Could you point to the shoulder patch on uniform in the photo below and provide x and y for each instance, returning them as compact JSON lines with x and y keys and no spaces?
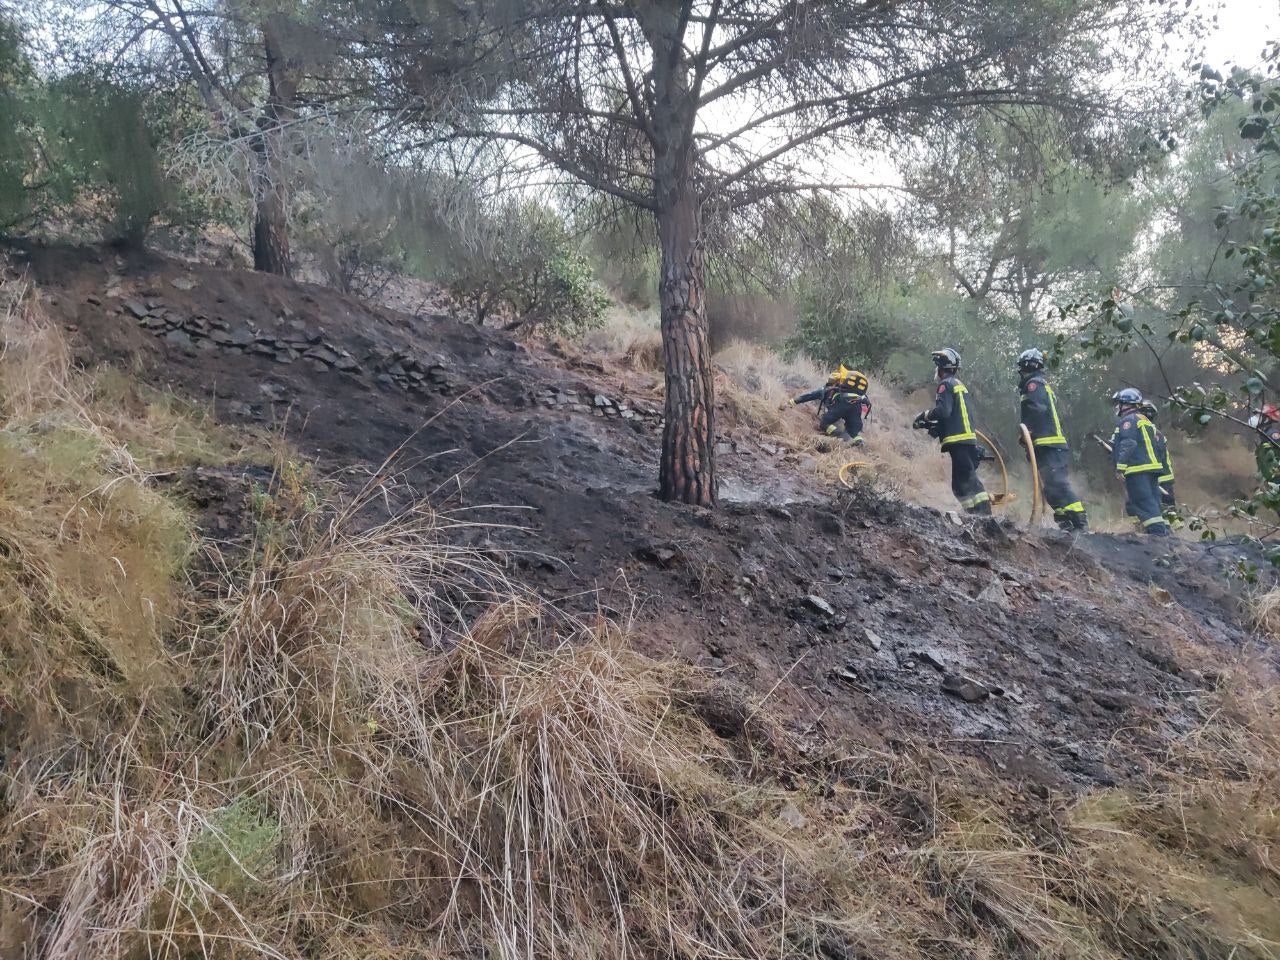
{"x":1031,"y":385}
{"x":1276,"y":435}
{"x":1126,"y":425}
{"x":942,"y":388}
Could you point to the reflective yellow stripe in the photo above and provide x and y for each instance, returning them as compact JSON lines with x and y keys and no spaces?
{"x":967,"y":433}
{"x":1154,"y":520}
{"x":1166,"y":477}
{"x":976,"y":499}
{"x":1076,"y":507}
{"x":1147,"y":430}
{"x":1058,"y":439}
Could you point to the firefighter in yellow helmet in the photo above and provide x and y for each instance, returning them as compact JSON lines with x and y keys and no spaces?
{"x":842,"y":405}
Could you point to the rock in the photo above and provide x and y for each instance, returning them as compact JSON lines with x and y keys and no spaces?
{"x":600,"y":400}
{"x":661,"y":554}
{"x":241,"y":336}
{"x":932,"y":657}
{"x":347,"y":364}
{"x":820,"y":605}
{"x":724,"y":448}
{"x":183,"y":283}
{"x":993,"y":592}
{"x":874,"y":639}
{"x":97,"y":302}
{"x":384,"y":380}
{"x":791,"y":816}
{"x":970,"y":691}
{"x":323,"y":354}
{"x":179,"y":338}
{"x":136,"y":307}
{"x":769,"y":448}
{"x":273,"y":392}
{"x":239,"y":409}
{"x":847,"y":675}
{"x":220,"y":336}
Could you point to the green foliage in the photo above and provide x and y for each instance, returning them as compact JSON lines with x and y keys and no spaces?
{"x":78,"y":147}
{"x":102,"y":141}
{"x":528,"y":270}
{"x":238,"y":849}
{"x":1230,"y":319}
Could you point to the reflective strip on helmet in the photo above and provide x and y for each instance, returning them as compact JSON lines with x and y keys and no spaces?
{"x":1059,"y":438}
{"x":967,"y":431}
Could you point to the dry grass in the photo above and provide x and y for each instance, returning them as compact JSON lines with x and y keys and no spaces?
{"x":352,"y":739}
{"x":631,"y":338}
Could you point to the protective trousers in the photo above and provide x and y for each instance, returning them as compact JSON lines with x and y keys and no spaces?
{"x":1142,"y":501}
{"x":843,"y":420}
{"x":965,"y":484}
{"x":1053,"y":464}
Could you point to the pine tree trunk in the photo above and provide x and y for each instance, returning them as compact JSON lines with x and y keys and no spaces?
{"x":270,"y":224}
{"x":270,"y":189}
{"x":687,"y":472}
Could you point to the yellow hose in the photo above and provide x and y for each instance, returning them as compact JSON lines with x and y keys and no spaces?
{"x":846,"y":471}
{"x":1003,"y":497}
{"x":1037,"y":501}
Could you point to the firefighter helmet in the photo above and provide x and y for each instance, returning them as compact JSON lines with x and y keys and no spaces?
{"x":1031,"y":359}
{"x":946,"y":359}
{"x":1128,"y":397}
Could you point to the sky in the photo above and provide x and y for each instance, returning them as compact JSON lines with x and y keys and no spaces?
{"x":1243,"y":26}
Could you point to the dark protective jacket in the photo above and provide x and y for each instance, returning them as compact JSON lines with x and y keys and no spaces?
{"x":949,"y":420}
{"x":1268,"y":455}
{"x":1166,"y":471}
{"x":1040,"y":412}
{"x":1136,"y":445}
{"x":830,"y":394}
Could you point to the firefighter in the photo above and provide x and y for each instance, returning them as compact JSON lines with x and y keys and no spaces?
{"x":1137,"y":452}
{"x":1150,"y":411}
{"x":842,"y":405}
{"x":950,"y":422}
{"x":1267,"y":423}
{"x":1040,"y":416}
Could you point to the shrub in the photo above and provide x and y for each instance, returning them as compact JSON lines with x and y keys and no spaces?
{"x":527,"y":270}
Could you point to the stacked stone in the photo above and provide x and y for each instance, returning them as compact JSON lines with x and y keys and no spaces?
{"x":596,"y":404}
{"x":201,"y":332}
{"x":411,"y":372}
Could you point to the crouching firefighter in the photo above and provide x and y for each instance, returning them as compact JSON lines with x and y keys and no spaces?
{"x":842,"y":405}
{"x":1137,"y":452}
{"x":949,"y":421}
{"x":1040,"y":416}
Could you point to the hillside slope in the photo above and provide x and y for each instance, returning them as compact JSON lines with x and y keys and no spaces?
{"x":864,"y":624}
{"x":1079,"y":633}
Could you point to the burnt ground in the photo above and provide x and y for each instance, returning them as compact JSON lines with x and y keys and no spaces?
{"x":1058,"y":661}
